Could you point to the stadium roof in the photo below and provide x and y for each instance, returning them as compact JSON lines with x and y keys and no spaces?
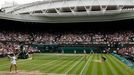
{"x":62,"y":11}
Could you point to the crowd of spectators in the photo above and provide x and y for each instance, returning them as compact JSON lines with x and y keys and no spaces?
{"x":15,"y":36}
{"x":10,"y":41}
{"x":8,"y":48}
{"x":127,"y":52}
{"x":14,"y":47}
{"x":68,"y":37}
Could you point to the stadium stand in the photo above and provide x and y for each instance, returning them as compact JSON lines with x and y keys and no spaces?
{"x":52,"y":38}
{"x":69,"y":38}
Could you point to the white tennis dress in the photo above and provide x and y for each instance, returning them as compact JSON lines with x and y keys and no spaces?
{"x":13,"y":60}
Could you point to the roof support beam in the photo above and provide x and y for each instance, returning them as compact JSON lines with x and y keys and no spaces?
{"x":58,"y":11}
{"x":120,"y":7}
{"x":44,"y":11}
{"x":73,"y":10}
{"x":88,"y":9}
{"x":103,"y":8}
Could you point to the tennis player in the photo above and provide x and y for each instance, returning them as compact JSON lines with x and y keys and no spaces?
{"x":13,"y":62}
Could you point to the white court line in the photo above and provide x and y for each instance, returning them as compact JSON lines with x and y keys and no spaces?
{"x":67,"y":64}
{"x":85,"y":65}
{"x":46,"y":64}
{"x":55,"y":66}
{"x":74,"y":65}
{"x":43,"y":64}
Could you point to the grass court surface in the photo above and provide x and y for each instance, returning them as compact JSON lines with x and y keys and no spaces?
{"x":67,"y":64}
